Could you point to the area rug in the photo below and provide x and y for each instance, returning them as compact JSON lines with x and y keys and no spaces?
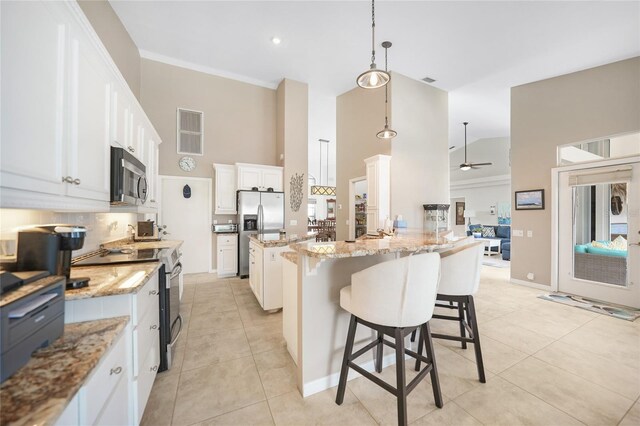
{"x":496,"y":264}
{"x":620,"y":312}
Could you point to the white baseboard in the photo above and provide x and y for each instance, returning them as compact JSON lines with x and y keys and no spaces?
{"x":531,"y":284}
{"x":332,"y":380}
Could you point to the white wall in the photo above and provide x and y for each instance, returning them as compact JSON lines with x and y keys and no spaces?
{"x":481,"y":197}
{"x":322,"y":125}
{"x":101,"y":227}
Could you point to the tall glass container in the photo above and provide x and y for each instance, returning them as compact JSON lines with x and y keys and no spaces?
{"x":436,"y":217}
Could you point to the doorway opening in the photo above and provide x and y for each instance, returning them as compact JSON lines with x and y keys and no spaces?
{"x":357,"y":207}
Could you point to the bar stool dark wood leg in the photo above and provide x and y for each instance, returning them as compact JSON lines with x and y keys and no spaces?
{"x":379,"y":349}
{"x":473,"y":319}
{"x":435,"y":382}
{"x":344,"y":372}
{"x":463,"y":333}
{"x":400,"y":378}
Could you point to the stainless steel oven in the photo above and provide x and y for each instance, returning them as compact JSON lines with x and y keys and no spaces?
{"x":128,"y":178}
{"x":170,"y":319}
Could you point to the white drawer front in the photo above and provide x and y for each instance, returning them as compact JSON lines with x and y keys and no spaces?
{"x":147,"y":376}
{"x":95,"y":393}
{"x":143,"y":336}
{"x":146,"y":298}
{"x":114,"y":413}
{"x":227,"y":240}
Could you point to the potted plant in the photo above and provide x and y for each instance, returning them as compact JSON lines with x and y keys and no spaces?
{"x":477,"y":232}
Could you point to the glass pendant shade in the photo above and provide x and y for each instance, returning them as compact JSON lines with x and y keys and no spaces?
{"x":373,"y":78}
{"x":387,"y":133}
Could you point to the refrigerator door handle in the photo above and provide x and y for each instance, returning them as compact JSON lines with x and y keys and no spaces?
{"x":260,"y":219}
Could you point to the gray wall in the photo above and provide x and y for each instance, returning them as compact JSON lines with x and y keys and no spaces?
{"x":589,"y":104}
{"x":116,"y":39}
{"x":239,"y":118}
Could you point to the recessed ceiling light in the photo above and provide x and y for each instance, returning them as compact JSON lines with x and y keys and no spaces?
{"x":428,"y":80}
{"x":276,"y":40}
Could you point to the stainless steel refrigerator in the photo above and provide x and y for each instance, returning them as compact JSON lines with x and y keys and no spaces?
{"x":259,"y":212}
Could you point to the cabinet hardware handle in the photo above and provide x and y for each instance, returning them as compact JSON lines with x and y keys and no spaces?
{"x":153,"y":327}
{"x":116,"y":370}
{"x":153,"y":293}
{"x":67,"y":179}
{"x":76,"y":181}
{"x":154,"y":368}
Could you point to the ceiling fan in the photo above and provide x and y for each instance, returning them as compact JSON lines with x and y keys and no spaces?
{"x":467,"y":165}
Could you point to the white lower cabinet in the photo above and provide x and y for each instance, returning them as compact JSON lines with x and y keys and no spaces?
{"x":141,"y":343}
{"x":265,"y":274}
{"x":100,"y":401}
{"x":227,"y":258}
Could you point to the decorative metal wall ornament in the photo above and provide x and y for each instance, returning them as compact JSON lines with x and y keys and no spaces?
{"x":296,"y":191}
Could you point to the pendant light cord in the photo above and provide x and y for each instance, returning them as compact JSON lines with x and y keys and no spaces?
{"x":386,"y":108}
{"x":373,"y":32}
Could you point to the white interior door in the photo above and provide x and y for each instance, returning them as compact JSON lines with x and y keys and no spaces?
{"x":188,"y":219}
{"x":600,"y":204}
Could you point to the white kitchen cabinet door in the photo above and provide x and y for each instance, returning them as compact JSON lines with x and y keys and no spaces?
{"x":372,"y":185}
{"x":272,"y":178}
{"x":379,"y":190}
{"x":225,"y":189}
{"x":89,"y":106}
{"x":152,"y":158}
{"x":34,"y":48}
{"x":113,"y":412}
{"x":227,"y":259}
{"x":259,"y":275}
{"x":249,"y":177}
{"x":120,"y":117}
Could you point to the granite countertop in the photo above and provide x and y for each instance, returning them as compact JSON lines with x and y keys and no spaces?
{"x":273,"y":240}
{"x":39,"y":392}
{"x":406,"y":241}
{"x":27,"y":289}
{"x":291,"y":256}
{"x":143,"y":245}
{"x":111,"y":280}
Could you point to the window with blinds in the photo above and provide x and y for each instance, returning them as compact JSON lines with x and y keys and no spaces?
{"x":190,"y":132}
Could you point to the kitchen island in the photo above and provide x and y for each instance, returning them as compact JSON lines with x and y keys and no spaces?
{"x":314,"y":324}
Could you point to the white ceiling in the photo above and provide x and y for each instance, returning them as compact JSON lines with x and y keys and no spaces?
{"x":475,"y":50}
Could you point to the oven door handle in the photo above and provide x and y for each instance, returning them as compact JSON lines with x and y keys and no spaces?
{"x":179,"y":330}
{"x":177,"y":270}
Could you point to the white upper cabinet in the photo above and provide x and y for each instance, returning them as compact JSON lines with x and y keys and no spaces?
{"x":225,"y":189}
{"x":64,"y":102}
{"x":257,"y":176}
{"x":34,"y":48}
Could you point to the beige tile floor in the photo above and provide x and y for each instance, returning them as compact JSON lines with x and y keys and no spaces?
{"x":546,"y":364}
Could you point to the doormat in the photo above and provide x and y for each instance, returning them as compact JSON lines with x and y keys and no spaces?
{"x":496,"y":264}
{"x":629,"y":314}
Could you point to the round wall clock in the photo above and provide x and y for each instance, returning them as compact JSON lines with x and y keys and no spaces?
{"x":187,"y":164}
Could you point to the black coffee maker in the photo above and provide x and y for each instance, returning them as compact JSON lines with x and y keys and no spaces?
{"x":48,"y":248}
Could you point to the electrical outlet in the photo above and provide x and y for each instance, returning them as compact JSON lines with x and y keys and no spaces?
{"x":273,"y":257}
{"x":347,"y":222}
{"x":531,"y":276}
{"x":215,"y":221}
{"x":229,"y":221}
{"x":529,"y":234}
{"x":293,"y":222}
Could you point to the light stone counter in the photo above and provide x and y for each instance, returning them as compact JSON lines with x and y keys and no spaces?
{"x":143,"y":245}
{"x":39,"y":392}
{"x":291,"y":256}
{"x":273,"y":240}
{"x":110,"y":280}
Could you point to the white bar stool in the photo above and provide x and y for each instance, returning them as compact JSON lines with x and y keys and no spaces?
{"x":459,"y":281}
{"x":390,"y":298}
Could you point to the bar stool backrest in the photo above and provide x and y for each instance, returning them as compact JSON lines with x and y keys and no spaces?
{"x":460,"y":270}
{"x":398,"y":293}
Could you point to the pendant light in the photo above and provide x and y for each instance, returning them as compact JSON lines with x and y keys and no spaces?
{"x":322,"y":189}
{"x":386,"y":133}
{"x":373,"y":77}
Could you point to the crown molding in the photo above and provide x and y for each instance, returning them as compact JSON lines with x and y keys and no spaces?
{"x":204,"y":69}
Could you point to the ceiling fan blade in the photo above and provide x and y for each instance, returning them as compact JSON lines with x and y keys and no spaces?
{"x":481,"y":164}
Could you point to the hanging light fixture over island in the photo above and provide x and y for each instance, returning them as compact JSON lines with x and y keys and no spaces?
{"x":386,"y":133}
{"x":373,"y":77}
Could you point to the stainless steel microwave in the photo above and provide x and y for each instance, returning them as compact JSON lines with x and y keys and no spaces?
{"x":128,"y":179}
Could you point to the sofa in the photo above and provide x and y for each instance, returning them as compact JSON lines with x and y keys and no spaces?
{"x":502,"y":233}
{"x":600,"y":264}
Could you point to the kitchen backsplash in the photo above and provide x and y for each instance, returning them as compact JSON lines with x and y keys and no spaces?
{"x":101,"y":227}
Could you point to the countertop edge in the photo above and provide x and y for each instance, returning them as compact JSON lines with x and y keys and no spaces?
{"x":55,"y":406}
